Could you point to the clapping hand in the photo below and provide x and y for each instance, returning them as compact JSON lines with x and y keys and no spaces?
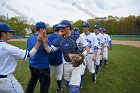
{"x":42,"y":37}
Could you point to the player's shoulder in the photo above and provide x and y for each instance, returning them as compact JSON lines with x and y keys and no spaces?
{"x":107,"y":35}
{"x":52,"y":36}
{"x":75,"y":35}
{"x":101,"y":35}
{"x":82,"y":34}
{"x":49,"y":35}
{"x":11,"y":48}
{"x":93,"y":35}
{"x":32,"y":37}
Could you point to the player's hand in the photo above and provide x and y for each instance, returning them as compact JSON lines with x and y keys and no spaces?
{"x":45,"y":38}
{"x":40,"y":38}
{"x":109,"y":47}
{"x":94,"y":59}
{"x":101,"y":52}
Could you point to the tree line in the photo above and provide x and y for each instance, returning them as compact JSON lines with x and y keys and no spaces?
{"x":125,"y":26}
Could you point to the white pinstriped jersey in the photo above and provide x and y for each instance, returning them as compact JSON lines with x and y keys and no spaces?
{"x":91,"y":39}
{"x":82,"y":41}
{"x":8,"y":57}
{"x":100,"y":39}
{"x":107,"y":39}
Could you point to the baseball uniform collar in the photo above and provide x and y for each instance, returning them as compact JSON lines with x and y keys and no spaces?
{"x":2,"y":41}
{"x":87,"y":33}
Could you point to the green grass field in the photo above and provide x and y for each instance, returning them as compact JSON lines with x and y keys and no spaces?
{"x":122,"y":75}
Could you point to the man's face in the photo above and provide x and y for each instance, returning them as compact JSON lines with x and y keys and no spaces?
{"x":65,"y":31}
{"x":101,"y":32}
{"x":43,"y":31}
{"x":85,"y":29}
{"x":96,"y":30}
{"x":7,"y":35}
{"x":60,"y":32}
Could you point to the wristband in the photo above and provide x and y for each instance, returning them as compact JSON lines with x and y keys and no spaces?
{"x":84,"y":53}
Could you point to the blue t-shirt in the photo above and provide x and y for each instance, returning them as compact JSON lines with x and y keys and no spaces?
{"x":55,"y":57}
{"x":41,"y":58}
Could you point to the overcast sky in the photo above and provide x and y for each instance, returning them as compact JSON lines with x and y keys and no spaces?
{"x":53,"y":11}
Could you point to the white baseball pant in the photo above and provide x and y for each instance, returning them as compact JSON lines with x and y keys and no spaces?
{"x":59,"y":71}
{"x":90,"y":63}
{"x":72,"y":74}
{"x":10,"y":85}
{"x":105,"y":53}
{"x":98,"y":57}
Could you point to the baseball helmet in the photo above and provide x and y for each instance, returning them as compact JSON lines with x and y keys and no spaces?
{"x":5,"y":28}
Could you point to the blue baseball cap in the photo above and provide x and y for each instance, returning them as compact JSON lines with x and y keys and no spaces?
{"x":101,"y":29}
{"x":76,"y":29}
{"x":41,"y":25}
{"x":96,"y":26}
{"x":64,"y":23}
{"x":86,"y":24}
{"x":5,"y":28}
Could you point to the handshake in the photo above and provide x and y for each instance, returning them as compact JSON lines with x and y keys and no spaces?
{"x":42,"y":37}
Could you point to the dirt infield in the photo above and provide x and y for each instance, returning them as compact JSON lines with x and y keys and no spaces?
{"x":20,"y":40}
{"x":131,"y":43}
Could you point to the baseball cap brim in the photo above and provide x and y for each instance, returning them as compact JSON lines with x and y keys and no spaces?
{"x":10,"y":31}
{"x":85,"y":26}
{"x":62,"y":26}
{"x":7,"y":31}
{"x":96,"y":28}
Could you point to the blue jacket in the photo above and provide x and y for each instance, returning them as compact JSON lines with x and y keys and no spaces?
{"x":41,"y":58}
{"x":55,"y":57}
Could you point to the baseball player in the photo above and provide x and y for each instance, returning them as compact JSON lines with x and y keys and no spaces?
{"x":39,"y":63}
{"x":56,"y":61}
{"x":108,"y":43}
{"x":92,"y":40}
{"x":68,"y":44}
{"x":100,"y":46}
{"x":8,"y":60}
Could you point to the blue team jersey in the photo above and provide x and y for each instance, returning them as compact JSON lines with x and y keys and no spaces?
{"x":41,"y":58}
{"x":55,"y":57}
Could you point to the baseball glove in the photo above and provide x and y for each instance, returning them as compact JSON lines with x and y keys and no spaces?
{"x":76,"y":59}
